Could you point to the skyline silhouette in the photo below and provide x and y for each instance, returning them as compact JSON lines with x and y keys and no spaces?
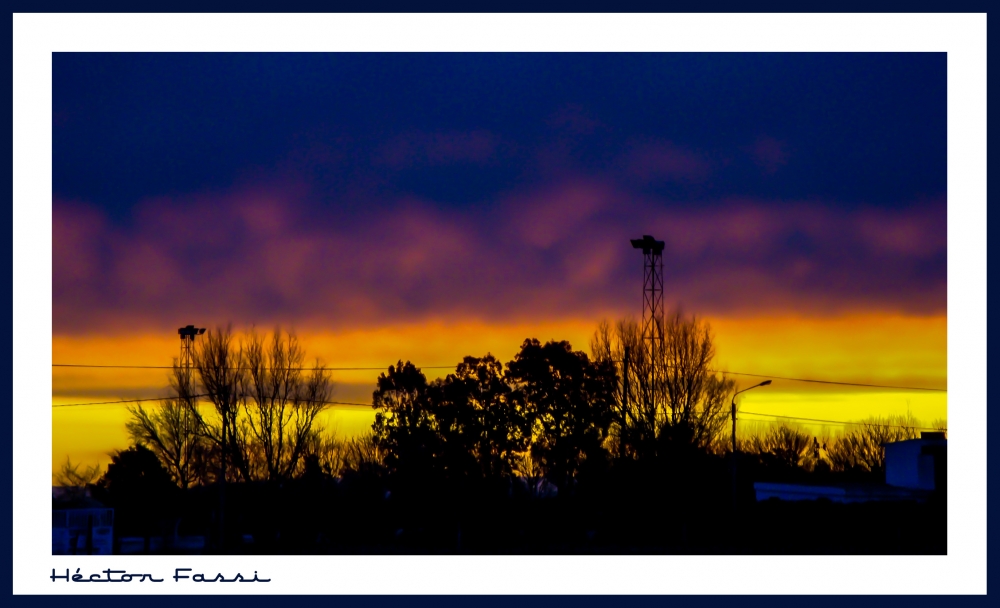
{"x":526,"y":456}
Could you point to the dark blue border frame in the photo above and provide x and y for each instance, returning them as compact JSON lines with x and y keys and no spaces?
{"x":521,"y":601}
{"x":706,"y":6}
{"x":498,"y":6}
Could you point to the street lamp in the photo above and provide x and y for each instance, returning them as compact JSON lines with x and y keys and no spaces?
{"x":733,"y":412}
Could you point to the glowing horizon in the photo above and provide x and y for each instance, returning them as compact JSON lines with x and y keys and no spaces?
{"x":868,"y":349}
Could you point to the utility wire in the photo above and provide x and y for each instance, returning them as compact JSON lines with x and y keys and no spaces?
{"x":121,"y":401}
{"x":307,"y":369}
{"x":337,"y":369}
{"x":129,"y":401}
{"x":816,"y":420}
{"x":843,"y":422}
{"x":908,"y":388}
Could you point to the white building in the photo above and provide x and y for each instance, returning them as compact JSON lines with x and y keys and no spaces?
{"x":913,"y":469}
{"x":82,"y":531}
{"x":80,"y":524}
{"x":917,"y":464}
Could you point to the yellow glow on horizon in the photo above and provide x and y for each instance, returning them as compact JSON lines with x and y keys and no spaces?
{"x":870,"y":349}
{"x":873,"y":349}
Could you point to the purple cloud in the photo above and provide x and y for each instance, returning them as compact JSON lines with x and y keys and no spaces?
{"x":272,"y":256}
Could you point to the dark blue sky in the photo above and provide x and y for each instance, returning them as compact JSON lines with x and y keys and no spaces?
{"x":855,"y":128}
{"x":502,"y":184}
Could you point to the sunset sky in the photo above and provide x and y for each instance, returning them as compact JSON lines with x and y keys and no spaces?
{"x":431,"y":206}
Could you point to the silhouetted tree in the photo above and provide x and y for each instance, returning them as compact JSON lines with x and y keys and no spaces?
{"x":338,"y":457}
{"x":328,"y":452}
{"x":75,"y":480}
{"x":266,"y":409}
{"x":139,"y":488}
{"x":527,"y":467}
{"x":138,"y":471}
{"x":567,"y":399}
{"x":816,"y":459}
{"x":218,"y":358}
{"x":861,"y":448}
{"x":361,"y":455}
{"x":780,"y":446}
{"x":695,"y":393}
{"x":482,"y":428}
{"x":280,"y":403}
{"x":689,"y":402}
{"x":635,"y":427}
{"x":173,"y":432}
{"x":404,"y":428}
{"x":72,"y":475}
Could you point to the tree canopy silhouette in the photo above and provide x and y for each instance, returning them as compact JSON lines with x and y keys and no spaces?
{"x":477,"y":417}
{"x":404,"y":426}
{"x":677,"y":398}
{"x":861,"y":449}
{"x":173,"y":432}
{"x":567,"y":402}
{"x":470,"y":459}
{"x":263,"y":421}
{"x":479,"y":421}
{"x":280,"y":404}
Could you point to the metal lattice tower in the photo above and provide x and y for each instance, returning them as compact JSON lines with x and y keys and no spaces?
{"x":652,"y":309}
{"x":186,"y":362}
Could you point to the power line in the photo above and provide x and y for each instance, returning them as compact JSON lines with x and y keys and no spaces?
{"x":121,"y":401}
{"x":844,"y":422}
{"x":777,"y":416}
{"x":820,"y":421}
{"x":345,"y":369}
{"x":332,"y":369}
{"x":813,"y":380}
{"x":344,"y":403}
{"x":907,"y":388}
{"x":130,"y":401}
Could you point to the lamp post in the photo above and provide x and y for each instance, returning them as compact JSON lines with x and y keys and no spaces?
{"x":733,"y":412}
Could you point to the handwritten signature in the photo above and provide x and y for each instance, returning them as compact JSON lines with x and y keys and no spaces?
{"x":123,"y":576}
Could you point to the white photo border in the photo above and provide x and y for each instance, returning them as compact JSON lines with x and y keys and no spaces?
{"x":961,"y":36}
